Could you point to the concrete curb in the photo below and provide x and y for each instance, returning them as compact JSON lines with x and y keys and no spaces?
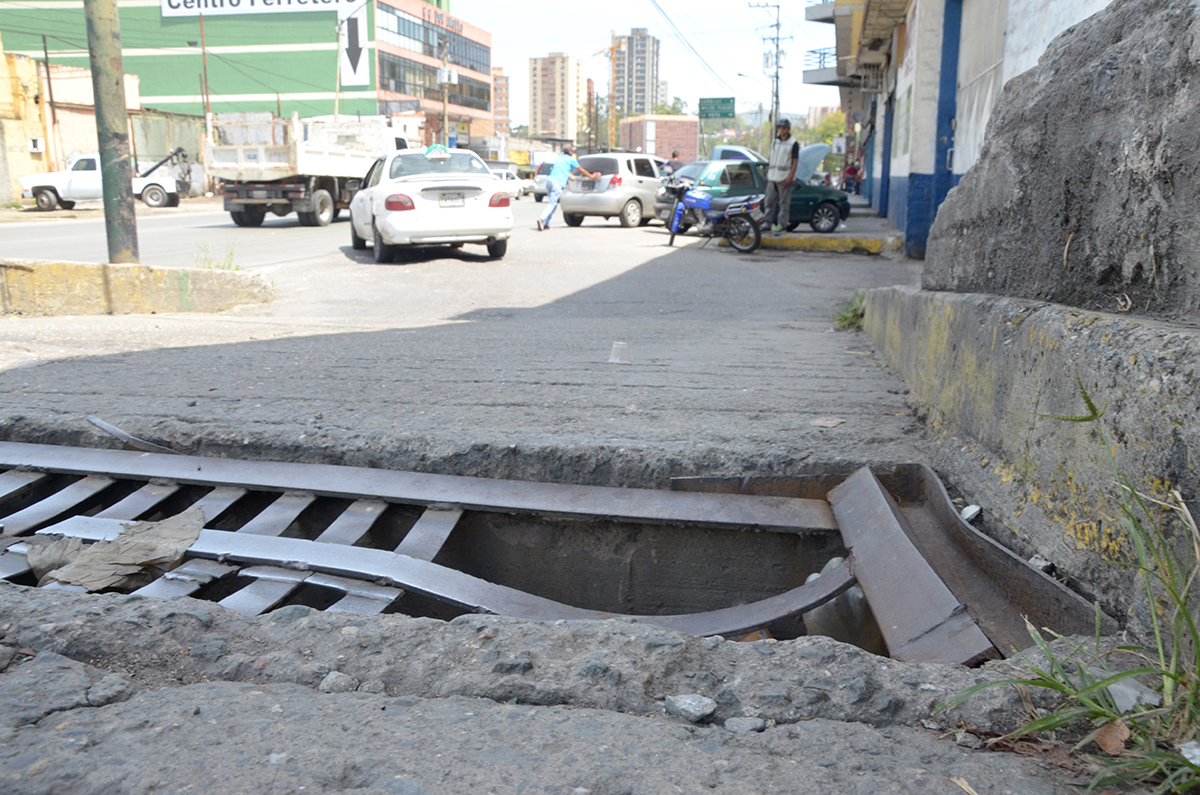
{"x":37,"y":287}
{"x":833,"y":245}
{"x":987,"y":370}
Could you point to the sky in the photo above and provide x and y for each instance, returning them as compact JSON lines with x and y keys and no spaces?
{"x":727,"y":35}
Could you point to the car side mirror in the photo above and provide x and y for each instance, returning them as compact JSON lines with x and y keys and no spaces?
{"x":353,"y":186}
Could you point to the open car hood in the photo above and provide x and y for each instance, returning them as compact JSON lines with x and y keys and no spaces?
{"x":809,"y":159}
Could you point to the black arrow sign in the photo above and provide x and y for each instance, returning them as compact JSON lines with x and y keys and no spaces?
{"x":352,"y":48}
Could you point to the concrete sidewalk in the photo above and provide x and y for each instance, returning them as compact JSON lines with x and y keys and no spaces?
{"x":865,"y":232}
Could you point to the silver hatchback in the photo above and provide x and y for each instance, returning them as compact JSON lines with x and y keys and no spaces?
{"x":625,"y":189}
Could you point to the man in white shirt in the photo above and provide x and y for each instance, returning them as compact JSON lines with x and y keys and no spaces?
{"x":781,"y":175}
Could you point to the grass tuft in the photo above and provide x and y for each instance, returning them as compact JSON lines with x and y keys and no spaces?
{"x":850,"y":318}
{"x":204,"y":259}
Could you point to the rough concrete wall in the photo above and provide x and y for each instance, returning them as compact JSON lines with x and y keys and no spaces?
{"x":30,"y":287}
{"x":983,"y":368}
{"x":1085,"y":191}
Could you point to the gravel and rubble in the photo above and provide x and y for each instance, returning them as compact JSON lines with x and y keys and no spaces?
{"x":99,"y":692}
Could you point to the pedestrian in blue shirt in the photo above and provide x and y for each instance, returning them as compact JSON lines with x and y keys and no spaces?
{"x":565,"y":167}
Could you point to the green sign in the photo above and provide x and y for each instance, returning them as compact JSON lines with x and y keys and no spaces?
{"x":716,"y":108}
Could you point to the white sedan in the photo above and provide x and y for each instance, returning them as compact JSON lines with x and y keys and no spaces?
{"x":430,"y":197}
{"x":515,"y":186}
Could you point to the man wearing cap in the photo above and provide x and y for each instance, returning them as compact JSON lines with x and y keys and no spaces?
{"x":564,"y":168}
{"x":781,"y":173}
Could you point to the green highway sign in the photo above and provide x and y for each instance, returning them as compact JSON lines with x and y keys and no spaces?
{"x":716,"y":108}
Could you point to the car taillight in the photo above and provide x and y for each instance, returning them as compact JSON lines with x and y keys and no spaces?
{"x":398,"y":201}
{"x":614,"y":181}
{"x":499,"y":200}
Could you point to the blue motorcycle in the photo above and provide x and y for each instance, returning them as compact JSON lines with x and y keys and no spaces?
{"x":736,"y":219}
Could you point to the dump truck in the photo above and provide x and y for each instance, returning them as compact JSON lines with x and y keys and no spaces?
{"x":308,"y":166}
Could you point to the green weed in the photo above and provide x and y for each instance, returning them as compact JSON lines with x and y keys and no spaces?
{"x":850,"y":318}
{"x":1147,"y":735}
{"x":204,"y":259}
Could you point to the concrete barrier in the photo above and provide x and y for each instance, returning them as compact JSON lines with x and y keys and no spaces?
{"x":986,"y":370}
{"x":38,"y":287}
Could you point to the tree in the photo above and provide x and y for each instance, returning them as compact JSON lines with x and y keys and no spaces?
{"x":830,"y":127}
{"x":677,"y":107}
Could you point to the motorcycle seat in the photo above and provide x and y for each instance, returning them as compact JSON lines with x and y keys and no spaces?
{"x":722,"y":203}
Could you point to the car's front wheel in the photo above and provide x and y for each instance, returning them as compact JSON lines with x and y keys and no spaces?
{"x":46,"y":199}
{"x":572,"y":219}
{"x":826,"y":217}
{"x":382,"y":251}
{"x":631,"y":213}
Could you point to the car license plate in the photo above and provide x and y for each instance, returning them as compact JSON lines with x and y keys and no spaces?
{"x":589,"y":184}
{"x":258,"y":194}
{"x":451,"y":200}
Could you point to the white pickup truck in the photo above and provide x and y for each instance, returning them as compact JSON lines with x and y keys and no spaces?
{"x":81,"y":182}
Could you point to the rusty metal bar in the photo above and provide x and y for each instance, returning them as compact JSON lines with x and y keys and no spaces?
{"x":920,"y":618}
{"x":779,"y":514}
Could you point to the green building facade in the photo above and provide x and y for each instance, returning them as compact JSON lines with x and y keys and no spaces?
{"x":274,"y":55}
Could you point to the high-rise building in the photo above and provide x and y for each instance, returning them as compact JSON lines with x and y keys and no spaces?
{"x":556,"y":96}
{"x":501,"y":119}
{"x":636,"y":73}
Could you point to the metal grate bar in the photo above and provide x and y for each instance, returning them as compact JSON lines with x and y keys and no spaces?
{"x":270,"y":587}
{"x":13,"y":484}
{"x":55,"y":505}
{"x":217,"y":501}
{"x":773,"y":514}
{"x":278,"y":516}
{"x":354,"y":523}
{"x":361,"y":597}
{"x":13,"y":564}
{"x":185,"y":580}
{"x":426,"y":537}
{"x":144,"y":500}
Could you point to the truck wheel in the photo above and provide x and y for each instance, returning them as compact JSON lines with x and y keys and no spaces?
{"x":322,"y":212}
{"x":46,"y":198}
{"x":251,"y":215}
{"x":154,"y":196}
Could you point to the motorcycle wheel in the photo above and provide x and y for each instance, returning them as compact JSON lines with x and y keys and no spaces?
{"x":743,"y":234}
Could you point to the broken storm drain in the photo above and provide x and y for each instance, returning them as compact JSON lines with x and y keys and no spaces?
{"x":882,"y":561}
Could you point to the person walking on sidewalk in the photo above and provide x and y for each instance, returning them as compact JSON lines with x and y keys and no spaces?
{"x":781,"y":175}
{"x":564,"y":168}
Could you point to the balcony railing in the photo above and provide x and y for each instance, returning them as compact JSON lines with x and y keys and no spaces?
{"x":825,"y":58}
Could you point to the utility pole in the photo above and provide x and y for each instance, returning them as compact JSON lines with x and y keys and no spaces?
{"x":51,"y":139}
{"x":445,"y":94}
{"x":776,"y":59}
{"x":204,"y":63}
{"x":112,"y":128}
